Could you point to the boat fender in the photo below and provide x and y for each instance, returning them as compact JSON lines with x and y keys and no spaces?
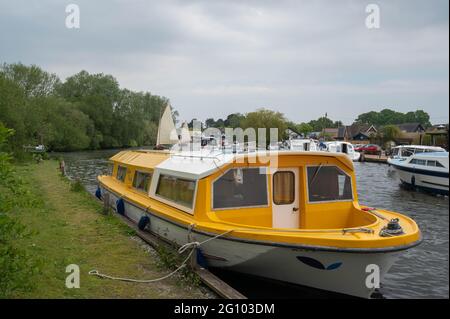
{"x":98,"y":193}
{"x":143,"y":222}
{"x":201,"y":259}
{"x":120,"y":206}
{"x":413,"y":180}
{"x":393,"y":228}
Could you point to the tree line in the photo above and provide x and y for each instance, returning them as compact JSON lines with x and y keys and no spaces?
{"x":86,"y":111}
{"x":384,"y":118}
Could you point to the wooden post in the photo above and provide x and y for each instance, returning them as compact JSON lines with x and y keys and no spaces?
{"x":193,"y":261}
{"x":62,"y":167}
{"x":106,"y":208}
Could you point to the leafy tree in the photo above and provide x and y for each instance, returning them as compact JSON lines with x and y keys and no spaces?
{"x":210,"y":122}
{"x":390,"y":133}
{"x":34,"y":81}
{"x":322,"y":123}
{"x":304,"y":128}
{"x":389,"y":117}
{"x":264,"y":118}
{"x":234,"y":120}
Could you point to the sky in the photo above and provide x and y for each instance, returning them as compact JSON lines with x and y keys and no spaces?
{"x":212,"y":58}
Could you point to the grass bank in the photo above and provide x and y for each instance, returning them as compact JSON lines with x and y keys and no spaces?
{"x":66,"y":227}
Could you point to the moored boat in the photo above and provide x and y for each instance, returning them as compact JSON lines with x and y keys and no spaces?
{"x":302,"y":145}
{"x":406,"y":151}
{"x":293,"y":218}
{"x":426,"y":171}
{"x":343,"y":147}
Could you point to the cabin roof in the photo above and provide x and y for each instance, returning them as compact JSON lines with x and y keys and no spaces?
{"x":142,"y":159}
{"x":197,"y":166}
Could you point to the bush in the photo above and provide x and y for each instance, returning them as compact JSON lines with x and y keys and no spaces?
{"x":15,"y":265}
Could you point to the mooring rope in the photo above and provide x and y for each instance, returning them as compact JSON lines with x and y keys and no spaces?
{"x":194,"y":245}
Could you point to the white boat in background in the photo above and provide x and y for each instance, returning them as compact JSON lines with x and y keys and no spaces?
{"x":406,"y":151}
{"x":343,"y":147}
{"x":302,"y":145}
{"x":426,"y":171}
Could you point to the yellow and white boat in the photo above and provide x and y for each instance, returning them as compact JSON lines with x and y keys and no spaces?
{"x":298,"y":221}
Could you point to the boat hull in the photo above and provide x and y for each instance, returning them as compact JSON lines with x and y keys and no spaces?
{"x":344,"y":272}
{"x":423,"y":180}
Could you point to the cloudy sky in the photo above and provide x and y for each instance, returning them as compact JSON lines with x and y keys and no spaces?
{"x":211,"y":58}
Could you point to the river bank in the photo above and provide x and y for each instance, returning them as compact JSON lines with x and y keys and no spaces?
{"x":65,"y":226}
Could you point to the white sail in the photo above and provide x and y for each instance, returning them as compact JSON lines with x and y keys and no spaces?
{"x":167,"y":133}
{"x":185,"y":135}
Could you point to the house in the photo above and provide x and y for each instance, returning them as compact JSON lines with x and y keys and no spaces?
{"x":331,"y":133}
{"x":438,"y":135}
{"x":357,"y":133}
{"x":292,"y":133}
{"x":411,"y":133}
{"x":411,"y":128}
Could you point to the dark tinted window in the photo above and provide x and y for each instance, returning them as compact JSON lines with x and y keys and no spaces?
{"x":240,"y":188}
{"x":328,"y":183}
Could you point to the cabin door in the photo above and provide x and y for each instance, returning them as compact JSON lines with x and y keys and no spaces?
{"x":285,"y":202}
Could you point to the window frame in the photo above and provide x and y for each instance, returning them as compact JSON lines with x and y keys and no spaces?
{"x":154,"y":187}
{"x":328,"y":201}
{"x":224,"y":172}
{"x":117,"y":173}
{"x":150,"y":182}
{"x":273,"y":188}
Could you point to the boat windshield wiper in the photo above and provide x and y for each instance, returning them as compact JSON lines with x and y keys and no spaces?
{"x":315,"y":174}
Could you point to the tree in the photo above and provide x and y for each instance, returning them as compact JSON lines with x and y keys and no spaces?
{"x":304,"y":128}
{"x":322,"y":123}
{"x":210,"y":122}
{"x":234,"y":120}
{"x":264,"y":118}
{"x":33,"y":80}
{"x":389,"y":117}
{"x":390,"y":133}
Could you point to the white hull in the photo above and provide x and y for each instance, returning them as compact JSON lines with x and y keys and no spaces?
{"x":432,"y":183}
{"x":275,"y":261}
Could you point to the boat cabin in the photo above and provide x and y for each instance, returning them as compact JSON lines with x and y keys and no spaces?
{"x":308,"y":190}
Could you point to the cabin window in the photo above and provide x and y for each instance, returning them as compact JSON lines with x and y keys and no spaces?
{"x":178,"y":190}
{"x":434,"y":163}
{"x":240,"y":187}
{"x":395,"y":152}
{"x":141,"y":181}
{"x":328,"y":183}
{"x":418,"y":161}
{"x":121,"y":173}
{"x":283,"y":188}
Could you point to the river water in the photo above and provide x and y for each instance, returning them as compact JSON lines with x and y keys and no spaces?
{"x":421,"y":272}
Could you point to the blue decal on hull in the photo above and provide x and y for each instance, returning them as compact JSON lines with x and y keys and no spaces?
{"x":317,"y":264}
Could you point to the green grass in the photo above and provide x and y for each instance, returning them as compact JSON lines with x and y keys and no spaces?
{"x":65,"y":226}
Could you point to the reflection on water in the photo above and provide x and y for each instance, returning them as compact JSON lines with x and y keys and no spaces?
{"x":421,"y":272}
